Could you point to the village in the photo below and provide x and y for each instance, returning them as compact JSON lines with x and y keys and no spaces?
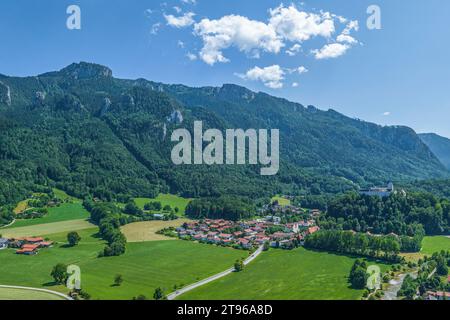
{"x":251,"y":234}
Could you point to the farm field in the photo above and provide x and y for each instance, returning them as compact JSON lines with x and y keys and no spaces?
{"x":47,"y":228}
{"x":430,"y":245}
{"x":146,"y":231}
{"x":166,"y":199}
{"x":144,"y":267}
{"x":22,"y":294}
{"x":286,"y":275}
{"x":65,"y":212}
{"x":281,"y":201}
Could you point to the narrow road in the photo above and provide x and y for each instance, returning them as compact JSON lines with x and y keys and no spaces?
{"x":178,"y":293}
{"x":40,"y":290}
{"x":8,"y":225}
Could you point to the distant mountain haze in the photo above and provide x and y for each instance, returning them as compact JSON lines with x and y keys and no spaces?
{"x":440,"y":146}
{"x":88,"y":133}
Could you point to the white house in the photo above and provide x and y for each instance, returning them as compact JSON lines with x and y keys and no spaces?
{"x":379,"y":191}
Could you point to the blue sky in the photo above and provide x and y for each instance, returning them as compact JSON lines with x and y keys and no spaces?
{"x":397,"y":75}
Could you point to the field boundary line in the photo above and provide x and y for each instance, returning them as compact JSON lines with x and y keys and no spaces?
{"x":217,"y":276}
{"x":62,"y":295}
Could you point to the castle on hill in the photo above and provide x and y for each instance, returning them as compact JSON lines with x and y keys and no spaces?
{"x":379,"y":191}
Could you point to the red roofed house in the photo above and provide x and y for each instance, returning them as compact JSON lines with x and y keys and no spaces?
{"x":45,"y":244}
{"x":28,"y":249}
{"x":313,"y":230}
{"x":34,"y":240}
{"x":244,"y":243}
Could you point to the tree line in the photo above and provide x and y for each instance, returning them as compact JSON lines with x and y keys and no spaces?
{"x":411,"y":214}
{"x":348,"y":242}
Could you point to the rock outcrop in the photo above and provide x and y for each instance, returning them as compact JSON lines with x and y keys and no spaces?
{"x":5,"y":94}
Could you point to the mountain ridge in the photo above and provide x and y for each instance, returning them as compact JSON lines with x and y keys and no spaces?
{"x":59,"y":128}
{"x":439,"y":145}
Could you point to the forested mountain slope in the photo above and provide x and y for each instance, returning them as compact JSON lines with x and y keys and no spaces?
{"x":84,"y":131}
{"x":440,"y":146}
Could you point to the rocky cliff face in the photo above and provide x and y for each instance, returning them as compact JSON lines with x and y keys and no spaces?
{"x":83,"y":70}
{"x":5,"y":94}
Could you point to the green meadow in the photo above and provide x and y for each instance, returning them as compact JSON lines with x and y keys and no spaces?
{"x":65,"y":212}
{"x":144,"y":267}
{"x":431,"y":245}
{"x":281,"y":201}
{"x":286,"y":275}
{"x":166,"y":199}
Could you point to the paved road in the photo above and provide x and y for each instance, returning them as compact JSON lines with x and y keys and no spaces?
{"x":37,"y":289}
{"x":178,"y":293}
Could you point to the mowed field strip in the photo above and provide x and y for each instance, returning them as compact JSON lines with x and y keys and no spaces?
{"x":47,"y":228}
{"x":146,"y":231}
{"x":25,"y":294}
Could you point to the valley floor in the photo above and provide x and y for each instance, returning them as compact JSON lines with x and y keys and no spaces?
{"x":299,"y":274}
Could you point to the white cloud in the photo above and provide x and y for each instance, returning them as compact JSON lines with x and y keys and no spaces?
{"x":191,"y":56}
{"x":180,"y":44}
{"x":299,"y":26}
{"x":329,"y":51}
{"x":286,"y":26}
{"x":292,"y":51}
{"x":343,"y":38}
{"x":352,"y":25}
{"x":249,"y":36}
{"x":183,"y":21}
{"x":299,"y":70}
{"x":295,"y":84}
{"x":155,"y":28}
{"x":302,"y":70}
{"x":386,"y":114}
{"x":272,"y":76}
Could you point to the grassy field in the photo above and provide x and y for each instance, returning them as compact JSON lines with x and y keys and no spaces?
{"x":430,"y":245}
{"x":166,"y":199}
{"x":281,"y":201}
{"x":65,"y":212}
{"x":21,"y":294}
{"x":144,"y":267}
{"x":63,"y":195}
{"x":146,"y":231}
{"x":292,"y":275}
{"x":46,"y":229}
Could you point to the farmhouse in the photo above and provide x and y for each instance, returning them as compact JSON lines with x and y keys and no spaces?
{"x":28,"y":249}
{"x":29,"y":246}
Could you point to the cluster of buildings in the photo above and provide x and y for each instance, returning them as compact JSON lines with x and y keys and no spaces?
{"x":247,"y":234}
{"x":382,"y":192}
{"x":26,"y":246}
